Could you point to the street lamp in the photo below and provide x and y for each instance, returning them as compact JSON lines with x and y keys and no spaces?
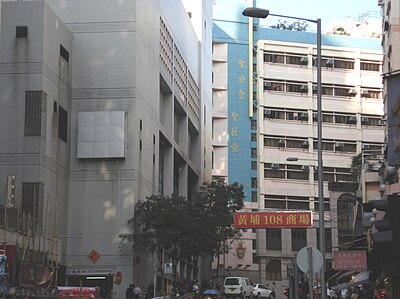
{"x":255,"y":12}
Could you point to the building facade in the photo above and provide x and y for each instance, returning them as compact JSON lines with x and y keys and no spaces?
{"x":99,"y":111}
{"x":263,"y":117}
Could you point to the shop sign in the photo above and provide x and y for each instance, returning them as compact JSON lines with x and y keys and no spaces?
{"x":281,"y":219}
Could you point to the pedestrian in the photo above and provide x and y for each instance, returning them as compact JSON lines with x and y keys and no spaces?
{"x":129,"y":292}
{"x":137,"y":291}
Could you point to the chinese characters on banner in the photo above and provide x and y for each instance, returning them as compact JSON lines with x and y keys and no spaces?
{"x":350,"y":260}
{"x":272,"y":219}
{"x":240,"y":97}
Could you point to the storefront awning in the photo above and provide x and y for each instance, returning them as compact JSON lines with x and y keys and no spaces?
{"x":360,"y":278}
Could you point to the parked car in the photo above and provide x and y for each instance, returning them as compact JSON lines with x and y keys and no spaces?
{"x":211,"y":294}
{"x":237,"y":287}
{"x":261,"y":291}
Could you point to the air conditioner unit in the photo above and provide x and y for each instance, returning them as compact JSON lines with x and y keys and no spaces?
{"x":382,"y":122}
{"x":314,"y":89}
{"x":365,"y":93}
{"x":315,"y":116}
{"x":366,"y":146}
{"x":330,"y":62}
{"x":281,"y":142}
{"x":304,"y":60}
{"x":304,"y":88}
{"x":275,"y":166}
{"x":384,"y":117}
{"x":352,"y":92}
{"x":352,"y":120}
{"x":304,"y":116}
{"x":306,"y":144}
{"x":305,"y":167}
{"x":295,"y":116}
{"x":267,"y":113}
{"x":364,"y":120}
{"x":339,"y":146}
{"x":267,"y":85}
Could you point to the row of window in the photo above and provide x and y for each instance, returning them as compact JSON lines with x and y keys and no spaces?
{"x":329,"y":62}
{"x":327,"y":117}
{"x":302,"y":172}
{"x":327,"y":145}
{"x":326,"y":89}
{"x":299,"y":239}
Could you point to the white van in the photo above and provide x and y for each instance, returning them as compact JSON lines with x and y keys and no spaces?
{"x":237,"y":287}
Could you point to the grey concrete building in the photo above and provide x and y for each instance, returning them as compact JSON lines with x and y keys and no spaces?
{"x":101,"y":105}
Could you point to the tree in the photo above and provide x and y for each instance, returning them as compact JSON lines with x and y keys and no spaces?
{"x":163,"y":224}
{"x":185,"y":229}
{"x":295,"y":26}
{"x":216,"y":203}
{"x":355,"y":168}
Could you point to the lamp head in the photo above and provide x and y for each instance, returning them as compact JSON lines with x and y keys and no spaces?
{"x":255,"y":12}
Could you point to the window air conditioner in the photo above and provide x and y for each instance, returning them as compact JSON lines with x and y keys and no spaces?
{"x":305,"y":167}
{"x":304,"y":60}
{"x":352,"y":120}
{"x":306,"y":144}
{"x":275,"y":166}
{"x":281,"y":142}
{"x":352,"y":92}
{"x":267,"y":85}
{"x":304,"y":116}
{"x":339,"y":146}
{"x":330,"y":62}
{"x":364,"y":120}
{"x":267,"y":113}
{"x":382,"y":122}
{"x":315,"y":116}
{"x":384,"y":117}
{"x":304,"y":88}
{"x":295,"y":116}
{"x":365,"y":93}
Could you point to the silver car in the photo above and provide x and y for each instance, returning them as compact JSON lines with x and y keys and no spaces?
{"x":261,"y":291}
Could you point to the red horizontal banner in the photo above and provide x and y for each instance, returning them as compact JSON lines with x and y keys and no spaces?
{"x":272,"y":219}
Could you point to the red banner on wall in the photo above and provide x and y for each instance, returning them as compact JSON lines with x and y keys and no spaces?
{"x":350,"y":260}
{"x":272,"y":219}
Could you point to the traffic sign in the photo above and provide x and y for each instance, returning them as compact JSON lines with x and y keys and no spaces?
{"x":303,"y":259}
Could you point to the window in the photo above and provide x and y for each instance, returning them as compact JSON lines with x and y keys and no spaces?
{"x":63,"y":125}
{"x":273,"y":238}
{"x":254,"y":165}
{"x":253,"y":182}
{"x":254,"y":196}
{"x":35,"y":113}
{"x":370,"y":66}
{"x":253,"y":152}
{"x":253,"y":137}
{"x":299,"y":238}
{"x":253,"y":124}
{"x":21,"y":31}
{"x":328,"y":239}
{"x":273,"y":269}
{"x":32,"y":199}
{"x":64,"y":53}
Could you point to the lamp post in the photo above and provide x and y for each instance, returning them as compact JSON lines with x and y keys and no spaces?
{"x":254,"y":12}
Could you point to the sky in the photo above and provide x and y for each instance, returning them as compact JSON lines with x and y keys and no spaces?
{"x":330,"y":11}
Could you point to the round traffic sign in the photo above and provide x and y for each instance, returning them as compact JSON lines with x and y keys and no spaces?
{"x":303,"y":259}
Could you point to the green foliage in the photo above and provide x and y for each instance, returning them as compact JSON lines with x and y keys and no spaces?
{"x":295,"y":26}
{"x":186,"y":229}
{"x":216,"y":204}
{"x":355,"y":167}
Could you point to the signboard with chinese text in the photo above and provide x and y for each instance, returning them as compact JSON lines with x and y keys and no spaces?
{"x":272,"y":219}
{"x":350,"y":260}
